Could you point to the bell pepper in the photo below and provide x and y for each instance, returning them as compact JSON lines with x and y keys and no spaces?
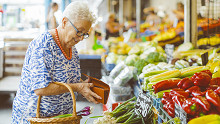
{"x":166,"y":95}
{"x":212,"y":87}
{"x":170,"y":109}
{"x":165,"y":85}
{"x":166,"y":101}
{"x":205,"y":119}
{"x":213,"y":98}
{"x":175,"y":91}
{"x":201,"y":79}
{"x":208,"y":72}
{"x":179,"y":99}
{"x":194,"y":88}
{"x":215,"y":81}
{"x":185,"y":83}
{"x":190,"y":106}
{"x":202,"y":102}
{"x":213,"y":110}
{"x":198,"y":93}
{"x":217,"y":90}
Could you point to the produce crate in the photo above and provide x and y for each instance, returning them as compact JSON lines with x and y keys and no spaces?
{"x":163,"y":115}
{"x":179,"y":112}
{"x":109,"y":67}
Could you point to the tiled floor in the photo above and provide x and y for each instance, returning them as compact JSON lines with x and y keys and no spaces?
{"x":6,"y":110}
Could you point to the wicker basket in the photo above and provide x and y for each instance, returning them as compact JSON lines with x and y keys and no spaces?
{"x":48,"y":120}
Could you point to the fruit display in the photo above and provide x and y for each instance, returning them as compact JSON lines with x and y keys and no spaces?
{"x":212,"y":41}
{"x":120,"y":48}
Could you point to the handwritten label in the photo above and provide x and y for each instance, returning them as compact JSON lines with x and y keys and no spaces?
{"x":143,"y":104}
{"x":205,"y":58}
{"x":169,"y":48}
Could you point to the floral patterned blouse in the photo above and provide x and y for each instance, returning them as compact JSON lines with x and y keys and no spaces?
{"x":44,"y":63}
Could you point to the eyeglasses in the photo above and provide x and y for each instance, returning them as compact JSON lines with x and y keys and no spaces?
{"x":79,"y":33}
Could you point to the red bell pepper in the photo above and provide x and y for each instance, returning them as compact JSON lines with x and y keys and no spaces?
{"x":194,"y":88}
{"x":165,"y":85}
{"x":179,"y":99}
{"x":212,"y":87}
{"x":201,"y":79}
{"x":166,"y":101}
{"x":190,"y":106}
{"x":198,"y":93}
{"x":215,"y":81}
{"x":166,"y":95}
{"x":202,"y":102}
{"x":213,"y":110}
{"x":208,"y":72}
{"x":185,"y":83}
{"x":175,"y":91}
{"x":217,"y":90}
{"x":170,"y":109}
{"x":213,"y":98}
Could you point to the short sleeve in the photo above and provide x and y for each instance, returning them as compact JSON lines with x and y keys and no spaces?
{"x":40,"y":67}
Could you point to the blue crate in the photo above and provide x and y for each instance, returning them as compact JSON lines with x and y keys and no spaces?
{"x":109,"y":67}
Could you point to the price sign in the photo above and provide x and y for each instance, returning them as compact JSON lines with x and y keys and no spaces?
{"x":169,"y":48}
{"x":205,"y":58}
{"x":143,"y":105}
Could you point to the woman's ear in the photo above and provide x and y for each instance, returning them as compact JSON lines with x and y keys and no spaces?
{"x":64,"y":22}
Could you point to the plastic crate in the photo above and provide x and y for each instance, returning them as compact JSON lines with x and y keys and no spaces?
{"x":179,"y":112}
{"x":109,"y":67}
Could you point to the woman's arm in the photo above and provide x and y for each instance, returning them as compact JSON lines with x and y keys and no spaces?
{"x":54,"y":89}
{"x":82,"y":88}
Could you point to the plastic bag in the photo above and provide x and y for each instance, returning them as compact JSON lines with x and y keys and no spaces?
{"x":125,"y":75}
{"x":117,"y":69}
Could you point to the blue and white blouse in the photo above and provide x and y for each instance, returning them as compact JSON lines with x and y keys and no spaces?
{"x":44,"y":63}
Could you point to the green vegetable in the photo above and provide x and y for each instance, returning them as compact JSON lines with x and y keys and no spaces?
{"x":123,"y":109}
{"x":154,"y":72}
{"x":131,"y":59}
{"x":119,"y":106}
{"x":63,"y":116}
{"x":155,"y":57}
{"x":139,"y":64}
{"x":131,"y":117}
{"x":160,"y":94}
{"x":124,"y":117}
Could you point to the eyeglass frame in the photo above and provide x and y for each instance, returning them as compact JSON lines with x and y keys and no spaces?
{"x":77,"y":31}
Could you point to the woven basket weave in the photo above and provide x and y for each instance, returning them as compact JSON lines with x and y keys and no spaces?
{"x":48,"y":120}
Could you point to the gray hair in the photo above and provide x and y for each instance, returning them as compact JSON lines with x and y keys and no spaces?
{"x":78,"y":10}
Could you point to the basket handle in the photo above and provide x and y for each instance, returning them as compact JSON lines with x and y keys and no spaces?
{"x":72,"y":94}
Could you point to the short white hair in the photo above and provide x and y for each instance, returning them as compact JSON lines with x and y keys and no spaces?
{"x":78,"y":10}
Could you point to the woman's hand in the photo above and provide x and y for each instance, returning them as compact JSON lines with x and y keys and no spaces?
{"x":84,"y":89}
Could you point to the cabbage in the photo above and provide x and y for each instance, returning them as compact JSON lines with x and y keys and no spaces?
{"x":111,"y":58}
{"x":131,"y":59}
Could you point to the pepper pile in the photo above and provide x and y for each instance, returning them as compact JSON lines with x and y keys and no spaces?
{"x":198,"y":95}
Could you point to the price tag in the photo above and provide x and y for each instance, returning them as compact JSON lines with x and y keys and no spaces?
{"x":143,"y":105}
{"x":205,"y":58}
{"x":169,"y":48}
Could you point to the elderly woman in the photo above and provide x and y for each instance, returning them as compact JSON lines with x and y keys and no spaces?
{"x":52,"y":57}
